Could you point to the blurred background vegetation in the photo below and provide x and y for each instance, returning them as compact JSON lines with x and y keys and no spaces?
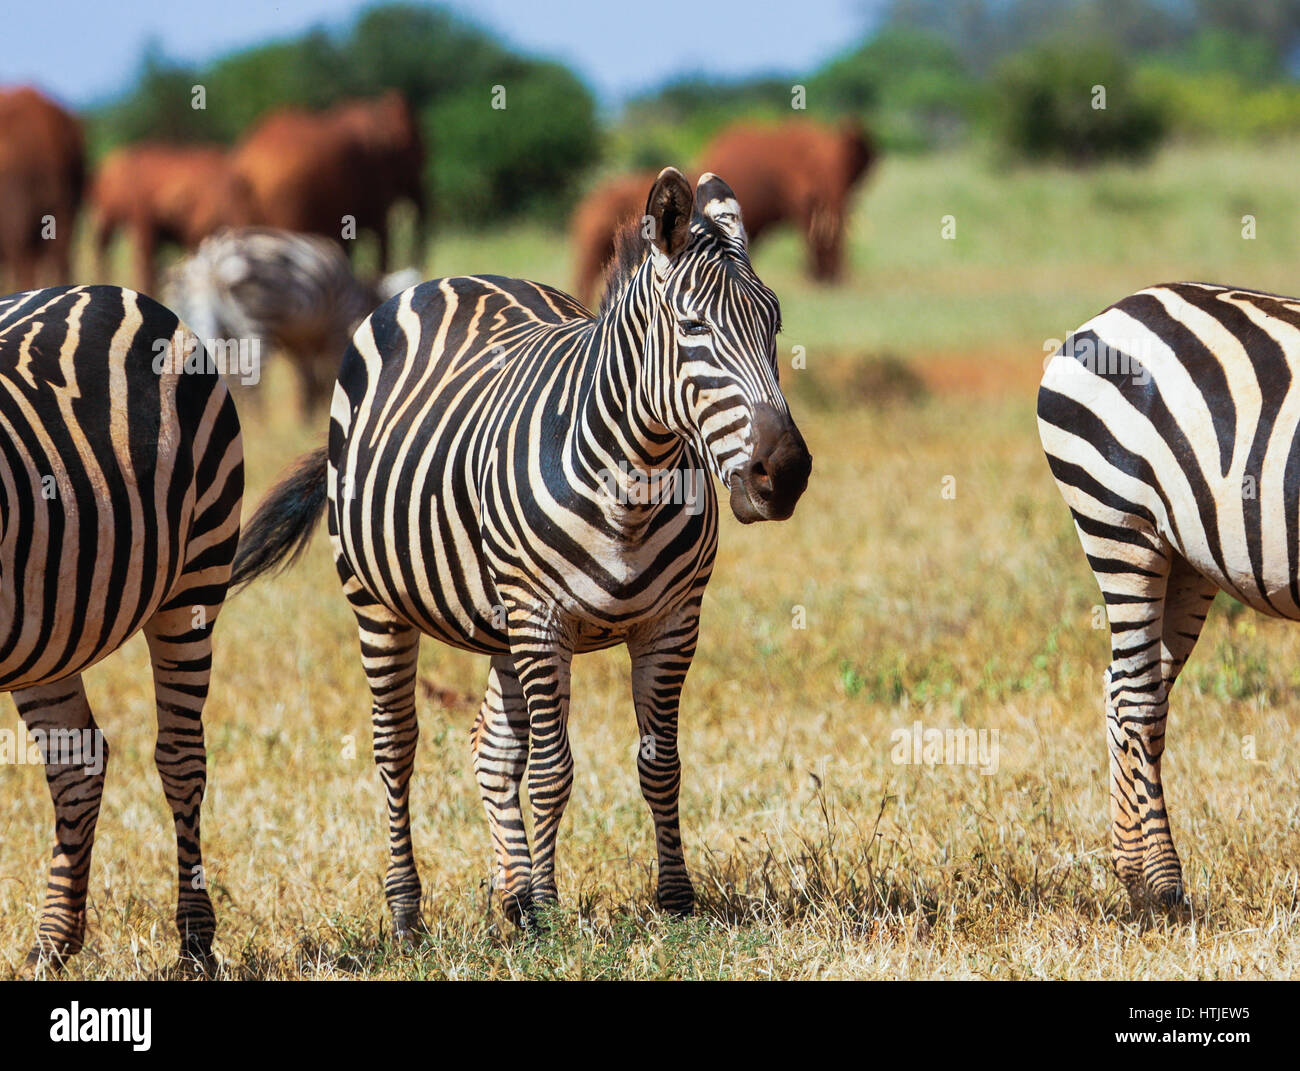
{"x":1010,"y":76}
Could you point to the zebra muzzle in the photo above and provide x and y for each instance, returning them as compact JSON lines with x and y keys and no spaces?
{"x":768,"y":486}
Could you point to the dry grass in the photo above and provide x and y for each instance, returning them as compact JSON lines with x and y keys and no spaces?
{"x":815,"y":854}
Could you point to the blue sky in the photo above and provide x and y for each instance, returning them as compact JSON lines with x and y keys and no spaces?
{"x":86,"y":50}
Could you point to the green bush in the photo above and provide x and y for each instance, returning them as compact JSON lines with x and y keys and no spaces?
{"x":483,"y":164}
{"x":158,"y":109}
{"x":1222,"y":105}
{"x":910,"y":85}
{"x":523,"y":159}
{"x":672,"y":124}
{"x":1045,"y":102}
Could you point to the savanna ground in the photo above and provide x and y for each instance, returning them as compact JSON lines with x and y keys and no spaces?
{"x":814,"y":854}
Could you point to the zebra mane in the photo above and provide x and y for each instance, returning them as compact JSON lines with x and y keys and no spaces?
{"x":630,"y":251}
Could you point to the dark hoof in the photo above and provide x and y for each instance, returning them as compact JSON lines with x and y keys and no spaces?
{"x":539,"y":916}
{"x":1172,"y":899}
{"x":675,"y":894}
{"x":682,"y":907}
{"x":517,"y":909}
{"x":196,"y":959}
{"x":409,"y":927}
{"x":50,"y":956}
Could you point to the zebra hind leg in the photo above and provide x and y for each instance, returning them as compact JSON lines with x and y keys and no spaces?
{"x":1156,"y":611}
{"x":76,"y":755}
{"x":180,"y":646}
{"x":499,"y":741}
{"x":1188,"y":597}
{"x":389,"y":654}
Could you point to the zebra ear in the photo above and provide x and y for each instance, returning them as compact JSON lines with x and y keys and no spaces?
{"x":715,"y":200}
{"x":668,"y":215}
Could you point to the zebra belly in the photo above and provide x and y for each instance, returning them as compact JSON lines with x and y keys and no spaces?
{"x":602,"y":588}
{"x":452,"y":581}
{"x":1252,"y":555}
{"x":409,"y":535}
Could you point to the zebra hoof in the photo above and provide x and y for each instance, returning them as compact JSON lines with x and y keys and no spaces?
{"x":409,"y":927}
{"x":539,"y":916}
{"x":196,"y":959}
{"x":49,"y":957}
{"x":517,"y":909}
{"x":682,"y":907}
{"x":1171,"y":899}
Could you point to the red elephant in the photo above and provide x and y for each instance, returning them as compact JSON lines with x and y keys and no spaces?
{"x":311,"y":171}
{"x":159,"y":192}
{"x":800,"y":171}
{"x":42,"y":176}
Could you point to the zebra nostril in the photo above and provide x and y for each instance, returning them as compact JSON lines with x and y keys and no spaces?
{"x":759,"y":477}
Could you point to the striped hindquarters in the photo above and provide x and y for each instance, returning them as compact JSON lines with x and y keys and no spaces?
{"x":1170,"y":422}
{"x":120,"y":473}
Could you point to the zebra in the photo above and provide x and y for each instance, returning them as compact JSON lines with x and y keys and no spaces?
{"x":121,"y":481}
{"x":271,"y":287}
{"x":1170,"y":424}
{"x":505,"y":472}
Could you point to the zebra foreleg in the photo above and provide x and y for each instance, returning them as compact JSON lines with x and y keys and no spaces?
{"x":389,"y":652}
{"x":76,"y":754}
{"x":543,"y":658}
{"x":660,"y":660}
{"x":180,"y":645}
{"x":499,"y":741}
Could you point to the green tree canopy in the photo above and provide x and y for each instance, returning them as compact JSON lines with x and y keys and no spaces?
{"x":523,"y":158}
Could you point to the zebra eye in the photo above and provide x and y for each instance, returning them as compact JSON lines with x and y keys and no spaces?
{"x":693,"y":327}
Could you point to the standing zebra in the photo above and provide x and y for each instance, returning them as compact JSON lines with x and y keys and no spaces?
{"x":292,"y":291}
{"x":512,"y":476}
{"x":120,"y":489}
{"x":1170,"y":423}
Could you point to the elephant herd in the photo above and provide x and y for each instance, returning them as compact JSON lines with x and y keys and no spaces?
{"x":335,"y":173}
{"x":338,"y":173}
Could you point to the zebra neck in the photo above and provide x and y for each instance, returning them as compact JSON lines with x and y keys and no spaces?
{"x":619,"y":439}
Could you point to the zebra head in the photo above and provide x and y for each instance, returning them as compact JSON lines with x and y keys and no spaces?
{"x":712,"y":348}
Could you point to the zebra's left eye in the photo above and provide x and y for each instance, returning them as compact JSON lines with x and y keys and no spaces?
{"x":693,"y":327}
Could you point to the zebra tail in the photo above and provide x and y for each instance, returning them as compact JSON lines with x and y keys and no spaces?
{"x":283,"y":525}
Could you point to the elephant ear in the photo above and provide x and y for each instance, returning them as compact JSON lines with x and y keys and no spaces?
{"x":668,"y":217}
{"x":715,"y":200}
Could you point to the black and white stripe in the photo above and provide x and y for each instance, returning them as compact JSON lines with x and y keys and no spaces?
{"x":490,"y":448}
{"x":1170,"y":422}
{"x":291,"y":292}
{"x":120,"y":491}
